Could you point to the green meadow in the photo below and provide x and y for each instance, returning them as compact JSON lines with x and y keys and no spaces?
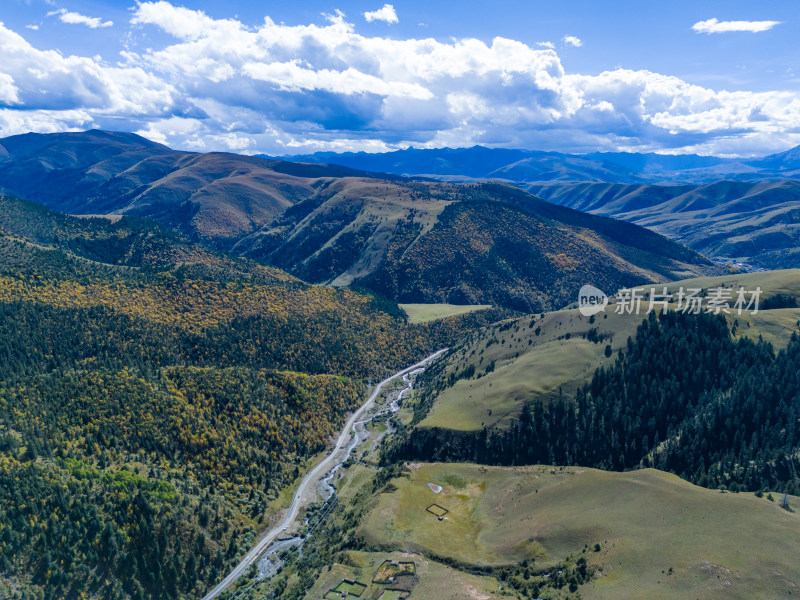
{"x":422,"y":313}
{"x":541,"y":357}
{"x":649,"y":534}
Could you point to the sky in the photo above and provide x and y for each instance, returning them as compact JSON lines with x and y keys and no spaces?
{"x":708,"y":77}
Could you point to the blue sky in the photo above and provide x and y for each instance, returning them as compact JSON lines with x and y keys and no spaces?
{"x":284,"y":78}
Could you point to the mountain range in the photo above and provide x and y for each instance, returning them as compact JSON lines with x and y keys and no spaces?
{"x":753,"y":225}
{"x":531,"y":166}
{"x":408,"y":240}
{"x":742,"y":212}
{"x":215,"y":197}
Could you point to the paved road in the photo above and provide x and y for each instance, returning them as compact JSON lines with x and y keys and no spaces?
{"x":313,"y":476}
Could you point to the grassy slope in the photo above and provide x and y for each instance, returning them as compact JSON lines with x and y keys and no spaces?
{"x":718,"y":545}
{"x":421,"y":313}
{"x":523,"y":372}
{"x":342,"y":231}
{"x":531,"y":367}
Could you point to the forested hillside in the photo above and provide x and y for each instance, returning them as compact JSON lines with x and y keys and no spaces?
{"x":682,"y":396}
{"x":409,"y":240}
{"x":466,"y":244}
{"x":156,"y":398}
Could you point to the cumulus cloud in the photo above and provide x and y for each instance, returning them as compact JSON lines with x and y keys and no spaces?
{"x":716,"y":26}
{"x":277,"y":88}
{"x":9,"y":93}
{"x":571,"y":40}
{"x":385,"y":13}
{"x":183,"y":23}
{"x":73,"y":18}
{"x":46,"y":80}
{"x":15,"y":122}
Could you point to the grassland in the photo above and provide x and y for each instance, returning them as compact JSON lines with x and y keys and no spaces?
{"x":775,"y":326}
{"x":533,"y":358}
{"x":432,"y":579}
{"x":351,"y":587}
{"x":658,"y":536}
{"x":393,"y":595}
{"x":422,"y":313}
{"x":540,"y":357}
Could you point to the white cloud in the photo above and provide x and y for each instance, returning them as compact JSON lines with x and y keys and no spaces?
{"x":73,"y":18}
{"x":550,"y":45}
{"x":9,"y":93}
{"x":219,"y":84}
{"x":34,"y":27}
{"x":716,"y":26}
{"x":183,"y":23}
{"x":15,"y":122}
{"x":385,"y":13}
{"x":45,"y":80}
{"x":571,"y":40}
{"x":291,"y":76}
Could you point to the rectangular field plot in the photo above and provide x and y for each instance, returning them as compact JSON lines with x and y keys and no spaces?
{"x":390,"y":570}
{"x":353,"y":588}
{"x":438,"y":511}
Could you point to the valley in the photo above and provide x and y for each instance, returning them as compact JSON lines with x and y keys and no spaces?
{"x":142,"y":385}
{"x":399,"y":300}
{"x":187,"y":393}
{"x":306,"y":493}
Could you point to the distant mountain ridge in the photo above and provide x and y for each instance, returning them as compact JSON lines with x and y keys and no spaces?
{"x":478,"y":162}
{"x":530,"y":166}
{"x":410,"y":240}
{"x":755,"y":224}
{"x":215,"y":197}
{"x":745,"y":212}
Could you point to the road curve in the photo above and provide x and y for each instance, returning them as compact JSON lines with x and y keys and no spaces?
{"x":321,"y":468}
